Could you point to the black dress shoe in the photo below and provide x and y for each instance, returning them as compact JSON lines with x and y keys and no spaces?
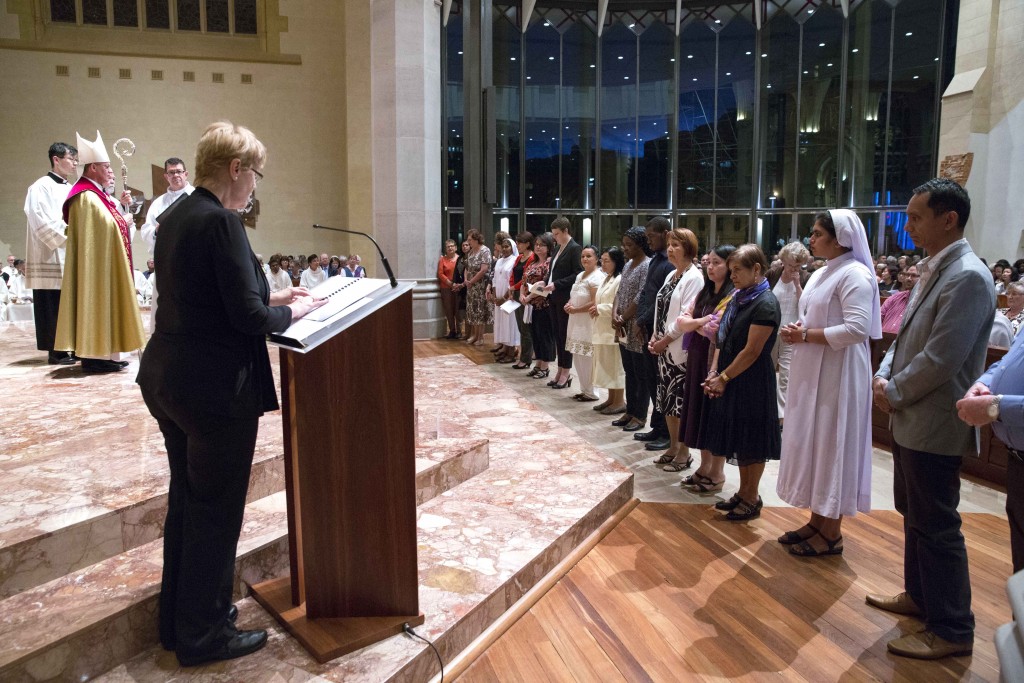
{"x":622,"y":421}
{"x":60,"y":358}
{"x":169,"y":644}
{"x":242,"y":643}
{"x":97,"y":365}
{"x":122,"y":363}
{"x":635,"y":427}
{"x":647,"y":436}
{"x":659,"y":445}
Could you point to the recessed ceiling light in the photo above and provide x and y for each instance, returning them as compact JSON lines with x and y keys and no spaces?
{"x":513,"y":59}
{"x":625,"y":78}
{"x":821,"y":44}
{"x":764,"y":54}
{"x":460,"y":52}
{"x":551,"y":59}
{"x":856,"y":49}
{"x":689,"y":56}
{"x":728,"y":73}
{"x":908,"y":34}
{"x":621,"y":57}
{"x":748,"y":52}
{"x":695,"y":80}
{"x":829,"y":64}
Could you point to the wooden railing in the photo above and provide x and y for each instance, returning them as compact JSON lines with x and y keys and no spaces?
{"x":989,"y":465}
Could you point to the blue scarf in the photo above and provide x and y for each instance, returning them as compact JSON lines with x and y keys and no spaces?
{"x":741,"y":298}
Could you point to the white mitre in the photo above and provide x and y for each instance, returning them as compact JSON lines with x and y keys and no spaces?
{"x":92,"y":152}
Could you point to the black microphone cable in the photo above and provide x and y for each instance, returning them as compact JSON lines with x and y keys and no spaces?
{"x":409,"y":631}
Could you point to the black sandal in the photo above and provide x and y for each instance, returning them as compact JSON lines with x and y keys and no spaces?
{"x":729,"y":504}
{"x":678,"y":466}
{"x":664,"y":459}
{"x":805,"y":549}
{"x":744,"y":511}
{"x":794,"y":537}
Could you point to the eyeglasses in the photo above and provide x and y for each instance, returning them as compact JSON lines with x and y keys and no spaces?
{"x":257,"y":177}
{"x":181,"y":172}
{"x":73,"y":160}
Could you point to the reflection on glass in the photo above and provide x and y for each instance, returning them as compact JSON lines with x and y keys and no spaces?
{"x":579,"y":115}
{"x":613,"y":227}
{"x":542,"y":66}
{"x":656,"y":103}
{"x":866,"y":98}
{"x":456,"y":228}
{"x":453,"y":103}
{"x":820,"y":77}
{"x":506,"y":54}
{"x":696,"y":164}
{"x":732,"y":229}
{"x":734,"y":151}
{"x":775,"y":230}
{"x":508,"y":222}
{"x":780,"y":42}
{"x":701,"y":227}
{"x":618,"y":116}
{"x":911,"y":160}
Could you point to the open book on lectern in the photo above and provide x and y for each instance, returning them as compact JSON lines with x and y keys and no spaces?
{"x":345,"y":296}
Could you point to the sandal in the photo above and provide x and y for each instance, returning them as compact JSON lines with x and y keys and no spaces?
{"x":744,"y":511}
{"x":678,"y":466}
{"x":693,"y":479}
{"x":665,"y":459}
{"x":729,"y":504}
{"x":805,"y":549}
{"x":707,"y":485}
{"x":520,"y":366}
{"x":794,"y":537}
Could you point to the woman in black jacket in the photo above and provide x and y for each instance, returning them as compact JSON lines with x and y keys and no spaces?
{"x":206,"y":378}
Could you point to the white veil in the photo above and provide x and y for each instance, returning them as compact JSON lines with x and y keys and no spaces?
{"x":850,"y":233}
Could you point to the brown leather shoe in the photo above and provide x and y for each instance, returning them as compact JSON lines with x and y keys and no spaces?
{"x":927,"y":645}
{"x":898,"y":604}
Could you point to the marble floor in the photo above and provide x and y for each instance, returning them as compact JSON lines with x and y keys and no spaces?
{"x":84,"y":450}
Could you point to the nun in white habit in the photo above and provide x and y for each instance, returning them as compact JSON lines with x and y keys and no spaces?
{"x":826,"y":442}
{"x":505,"y":329}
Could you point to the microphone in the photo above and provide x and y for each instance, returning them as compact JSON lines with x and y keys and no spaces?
{"x":383,"y":258}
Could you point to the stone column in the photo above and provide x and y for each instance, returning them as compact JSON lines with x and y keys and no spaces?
{"x":405,"y":94}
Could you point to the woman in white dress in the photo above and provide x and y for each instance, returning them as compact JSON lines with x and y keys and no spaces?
{"x":506,"y":332}
{"x":579,"y":335}
{"x":788,"y":290}
{"x":826,"y":445}
{"x":608,"y":371}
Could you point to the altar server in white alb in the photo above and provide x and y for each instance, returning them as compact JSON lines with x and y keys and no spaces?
{"x":826,"y":443}
{"x":177,"y":186}
{"x":44,"y":244}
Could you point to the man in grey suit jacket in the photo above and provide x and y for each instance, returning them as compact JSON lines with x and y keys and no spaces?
{"x":939,"y":351}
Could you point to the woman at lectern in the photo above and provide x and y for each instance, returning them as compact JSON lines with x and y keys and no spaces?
{"x":206,"y":378}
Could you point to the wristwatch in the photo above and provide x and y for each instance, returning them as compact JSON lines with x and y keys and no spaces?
{"x":725,"y":377}
{"x":803,"y":334}
{"x":993,"y":407}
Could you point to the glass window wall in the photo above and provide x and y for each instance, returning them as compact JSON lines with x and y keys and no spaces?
{"x":717,"y":126}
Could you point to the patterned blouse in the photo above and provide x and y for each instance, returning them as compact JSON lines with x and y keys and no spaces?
{"x":538,"y":272}
{"x":1016,"y":321}
{"x":630,"y":288}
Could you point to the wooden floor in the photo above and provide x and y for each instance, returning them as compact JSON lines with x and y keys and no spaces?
{"x":675,"y":593}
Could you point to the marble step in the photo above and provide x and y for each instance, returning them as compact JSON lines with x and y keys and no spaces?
{"x":90,"y":620}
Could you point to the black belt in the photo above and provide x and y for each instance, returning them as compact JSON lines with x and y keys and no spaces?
{"x":1017,"y":454}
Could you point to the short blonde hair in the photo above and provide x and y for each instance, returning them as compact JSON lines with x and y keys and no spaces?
{"x":223,"y":141}
{"x":795,"y":252}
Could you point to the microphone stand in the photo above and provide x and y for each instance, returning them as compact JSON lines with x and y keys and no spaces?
{"x":383,"y":258}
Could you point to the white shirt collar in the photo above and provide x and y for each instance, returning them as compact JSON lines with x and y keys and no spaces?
{"x":930,"y":263}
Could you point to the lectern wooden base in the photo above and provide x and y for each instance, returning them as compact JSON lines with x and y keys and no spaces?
{"x":327,"y":638}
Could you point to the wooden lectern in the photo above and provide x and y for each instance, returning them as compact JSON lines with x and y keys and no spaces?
{"x":349,"y":440}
